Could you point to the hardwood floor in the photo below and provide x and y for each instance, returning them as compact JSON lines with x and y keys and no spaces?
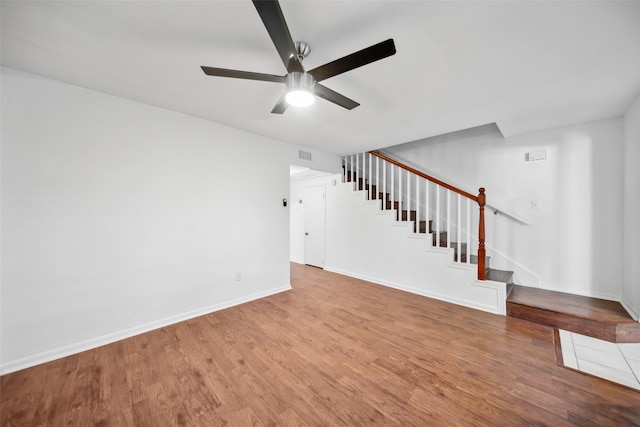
{"x":333,"y":351}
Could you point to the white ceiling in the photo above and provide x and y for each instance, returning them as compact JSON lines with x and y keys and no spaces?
{"x":524,"y":65}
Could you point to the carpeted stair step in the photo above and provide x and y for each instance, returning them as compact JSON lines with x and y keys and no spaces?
{"x":500,"y":275}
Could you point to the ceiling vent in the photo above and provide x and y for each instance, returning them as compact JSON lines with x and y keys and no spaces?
{"x":304,"y":155}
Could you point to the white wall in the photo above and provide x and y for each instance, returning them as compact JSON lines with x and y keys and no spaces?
{"x":118,"y":218}
{"x":575,"y":242}
{"x":631,"y":212}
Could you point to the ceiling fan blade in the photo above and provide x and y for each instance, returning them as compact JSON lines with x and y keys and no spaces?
{"x":273,"y":19}
{"x":333,"y":96}
{"x":281,"y":106}
{"x":223,"y":72}
{"x":355,"y":60}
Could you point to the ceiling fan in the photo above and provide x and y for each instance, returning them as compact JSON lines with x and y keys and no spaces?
{"x":302,"y":86}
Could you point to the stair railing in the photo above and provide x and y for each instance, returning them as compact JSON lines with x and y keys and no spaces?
{"x":389,"y":180}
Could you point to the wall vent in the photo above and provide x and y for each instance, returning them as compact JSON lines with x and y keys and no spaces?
{"x":304,"y":155}
{"x":534,"y":156}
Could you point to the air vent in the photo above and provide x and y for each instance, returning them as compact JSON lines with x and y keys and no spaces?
{"x":304,"y":155}
{"x":534,"y":156}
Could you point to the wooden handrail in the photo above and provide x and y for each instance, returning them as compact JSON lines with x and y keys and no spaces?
{"x":425,"y":176}
{"x":481,"y":199}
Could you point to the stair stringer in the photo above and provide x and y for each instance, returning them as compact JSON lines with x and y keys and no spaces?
{"x":366,"y":242}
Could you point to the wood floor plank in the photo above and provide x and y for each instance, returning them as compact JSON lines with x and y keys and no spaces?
{"x":334,"y":351}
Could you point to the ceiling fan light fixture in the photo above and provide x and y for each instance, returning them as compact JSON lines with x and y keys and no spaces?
{"x":300,"y":89}
{"x":300,"y":98}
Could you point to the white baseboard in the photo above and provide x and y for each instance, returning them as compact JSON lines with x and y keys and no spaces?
{"x":630,"y":309}
{"x":297,"y":260}
{"x":64,"y":351}
{"x":497,"y":309}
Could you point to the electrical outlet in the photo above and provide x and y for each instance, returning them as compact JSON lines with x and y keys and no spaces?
{"x":238,"y":276}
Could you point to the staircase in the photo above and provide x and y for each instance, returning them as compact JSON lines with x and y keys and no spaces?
{"x":602,"y":319}
{"x":438,"y":239}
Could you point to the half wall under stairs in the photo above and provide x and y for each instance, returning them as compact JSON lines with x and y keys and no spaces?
{"x":375,"y":244}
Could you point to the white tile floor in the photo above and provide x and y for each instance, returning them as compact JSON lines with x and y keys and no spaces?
{"x":619,"y":363}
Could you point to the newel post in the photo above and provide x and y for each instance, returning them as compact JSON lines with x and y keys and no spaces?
{"x":482,"y":254}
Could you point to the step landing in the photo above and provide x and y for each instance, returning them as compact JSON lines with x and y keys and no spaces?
{"x":593,"y":317}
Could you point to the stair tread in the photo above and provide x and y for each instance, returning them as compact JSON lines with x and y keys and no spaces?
{"x":499,"y":275}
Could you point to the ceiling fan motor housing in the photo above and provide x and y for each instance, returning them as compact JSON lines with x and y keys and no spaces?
{"x":300,"y":81}
{"x":300,"y":89}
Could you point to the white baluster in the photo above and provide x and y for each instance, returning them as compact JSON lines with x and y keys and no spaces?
{"x":362,"y":168}
{"x":408,"y":196}
{"x":377,"y":178}
{"x":459,"y":240}
{"x":351,"y":169}
{"x":448,"y":218}
{"x":364,"y":171}
{"x":346,"y":168}
{"x":370,"y":180}
{"x":357,"y":172}
{"x":427,"y":212}
{"x":437,"y":215}
{"x":392,"y":185}
{"x":468,"y":231}
{"x":417,"y":204}
{"x":384,"y":184}
{"x":399,"y":194}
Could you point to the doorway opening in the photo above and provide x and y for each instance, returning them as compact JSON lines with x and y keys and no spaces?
{"x":307,"y":219}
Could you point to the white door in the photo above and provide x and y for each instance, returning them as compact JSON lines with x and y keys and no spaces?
{"x":314,"y":226}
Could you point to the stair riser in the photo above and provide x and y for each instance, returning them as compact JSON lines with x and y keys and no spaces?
{"x":567,"y":322}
